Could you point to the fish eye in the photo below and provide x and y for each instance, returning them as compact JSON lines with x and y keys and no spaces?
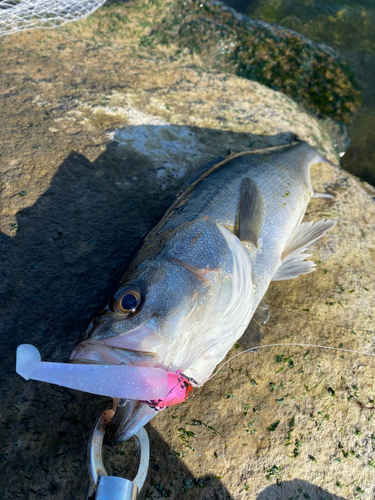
{"x":127,"y":300}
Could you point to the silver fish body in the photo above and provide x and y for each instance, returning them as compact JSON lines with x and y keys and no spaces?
{"x":202,"y":272}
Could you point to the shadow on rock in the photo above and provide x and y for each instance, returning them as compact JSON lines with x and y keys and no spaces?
{"x":69,"y":250}
{"x":71,"y":246}
{"x":296,"y":490}
{"x":168,"y":477}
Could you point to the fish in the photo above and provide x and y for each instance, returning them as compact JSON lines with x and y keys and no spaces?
{"x":198,"y":280}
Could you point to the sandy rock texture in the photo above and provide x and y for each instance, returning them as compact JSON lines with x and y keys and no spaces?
{"x":97,"y":137}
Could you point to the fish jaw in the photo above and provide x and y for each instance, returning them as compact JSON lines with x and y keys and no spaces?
{"x":132,"y":347}
{"x":94,"y":351}
{"x":129,"y":417}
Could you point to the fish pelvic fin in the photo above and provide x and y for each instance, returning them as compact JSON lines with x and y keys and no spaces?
{"x":251,"y":211}
{"x":262,"y":313}
{"x":252,"y":336}
{"x":294,"y":257}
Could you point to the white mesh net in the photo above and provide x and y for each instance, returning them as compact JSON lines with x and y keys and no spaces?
{"x":19,"y":15}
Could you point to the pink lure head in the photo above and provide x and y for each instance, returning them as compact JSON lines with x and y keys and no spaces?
{"x":179,"y":390}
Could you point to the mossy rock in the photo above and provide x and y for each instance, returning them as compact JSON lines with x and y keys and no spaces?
{"x":343,"y":24}
{"x":312,"y":74}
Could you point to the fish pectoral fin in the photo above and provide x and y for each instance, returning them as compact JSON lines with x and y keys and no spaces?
{"x":294,"y":257}
{"x":250,"y":211}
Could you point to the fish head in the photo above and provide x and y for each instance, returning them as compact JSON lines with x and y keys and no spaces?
{"x":164,"y":312}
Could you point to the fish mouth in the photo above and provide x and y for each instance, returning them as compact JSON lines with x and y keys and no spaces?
{"x":130,"y":348}
{"x":130,"y":415}
{"x":96,"y":352}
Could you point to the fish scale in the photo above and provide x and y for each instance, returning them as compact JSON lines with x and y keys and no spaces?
{"x":280,"y":171}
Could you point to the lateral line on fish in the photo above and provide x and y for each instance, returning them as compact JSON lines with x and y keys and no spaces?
{"x":350,"y":327}
{"x":289,"y":344}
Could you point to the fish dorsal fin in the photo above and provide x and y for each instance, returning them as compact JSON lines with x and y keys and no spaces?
{"x":293,"y":257}
{"x":250,"y":211}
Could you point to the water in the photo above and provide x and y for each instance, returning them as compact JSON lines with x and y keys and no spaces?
{"x":348,"y":27}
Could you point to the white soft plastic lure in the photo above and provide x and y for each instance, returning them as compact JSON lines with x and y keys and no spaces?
{"x":104,"y":380}
{"x":201,"y":273}
{"x":154,"y":385}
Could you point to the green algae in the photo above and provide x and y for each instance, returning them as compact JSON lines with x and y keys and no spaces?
{"x":297,"y":449}
{"x":185,"y":435}
{"x":246,"y":409}
{"x":291,"y":429}
{"x":331,"y":391}
{"x":272,"y":386}
{"x":197,"y":422}
{"x":273,"y":426}
{"x":311,"y":74}
{"x":341,"y":24}
{"x":276,"y":472}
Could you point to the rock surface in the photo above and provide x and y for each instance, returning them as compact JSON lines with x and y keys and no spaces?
{"x":97,"y":136}
{"x":312,"y":74}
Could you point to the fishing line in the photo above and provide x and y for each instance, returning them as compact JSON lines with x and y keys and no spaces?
{"x":290,"y":344}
